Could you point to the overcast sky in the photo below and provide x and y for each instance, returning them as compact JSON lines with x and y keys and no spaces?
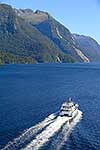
{"x":80,"y":16}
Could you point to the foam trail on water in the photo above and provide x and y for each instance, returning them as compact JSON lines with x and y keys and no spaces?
{"x":63,"y":136}
{"x":46,"y":134}
{"x":29,"y":133}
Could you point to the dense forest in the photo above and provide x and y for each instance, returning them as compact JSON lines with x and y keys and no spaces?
{"x":9,"y":58}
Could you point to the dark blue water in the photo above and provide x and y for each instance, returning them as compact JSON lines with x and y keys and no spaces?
{"x":29,"y":93}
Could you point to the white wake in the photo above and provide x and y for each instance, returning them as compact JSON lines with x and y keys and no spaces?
{"x":54,"y":127}
{"x":43,"y":131}
{"x":66,"y":130}
{"x":29,"y":133}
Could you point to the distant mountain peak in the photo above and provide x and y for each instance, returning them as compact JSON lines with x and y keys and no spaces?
{"x":20,"y":12}
{"x":28,"y":11}
{"x":82,"y":36}
{"x":5,"y":5}
{"x":40,"y":12}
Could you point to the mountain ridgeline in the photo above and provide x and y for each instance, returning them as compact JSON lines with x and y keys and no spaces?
{"x":36,"y":37}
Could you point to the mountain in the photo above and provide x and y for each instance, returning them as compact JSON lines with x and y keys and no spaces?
{"x":88,"y":46}
{"x":55,"y":31}
{"x":32,"y":37}
{"x":20,"y":39}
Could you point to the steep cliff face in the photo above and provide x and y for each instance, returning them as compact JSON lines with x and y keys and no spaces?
{"x":8,"y":19}
{"x":37,"y":36}
{"x":56,"y":32}
{"x":19,"y":37}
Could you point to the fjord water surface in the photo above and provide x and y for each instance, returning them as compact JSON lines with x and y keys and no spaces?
{"x":29,"y":93}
